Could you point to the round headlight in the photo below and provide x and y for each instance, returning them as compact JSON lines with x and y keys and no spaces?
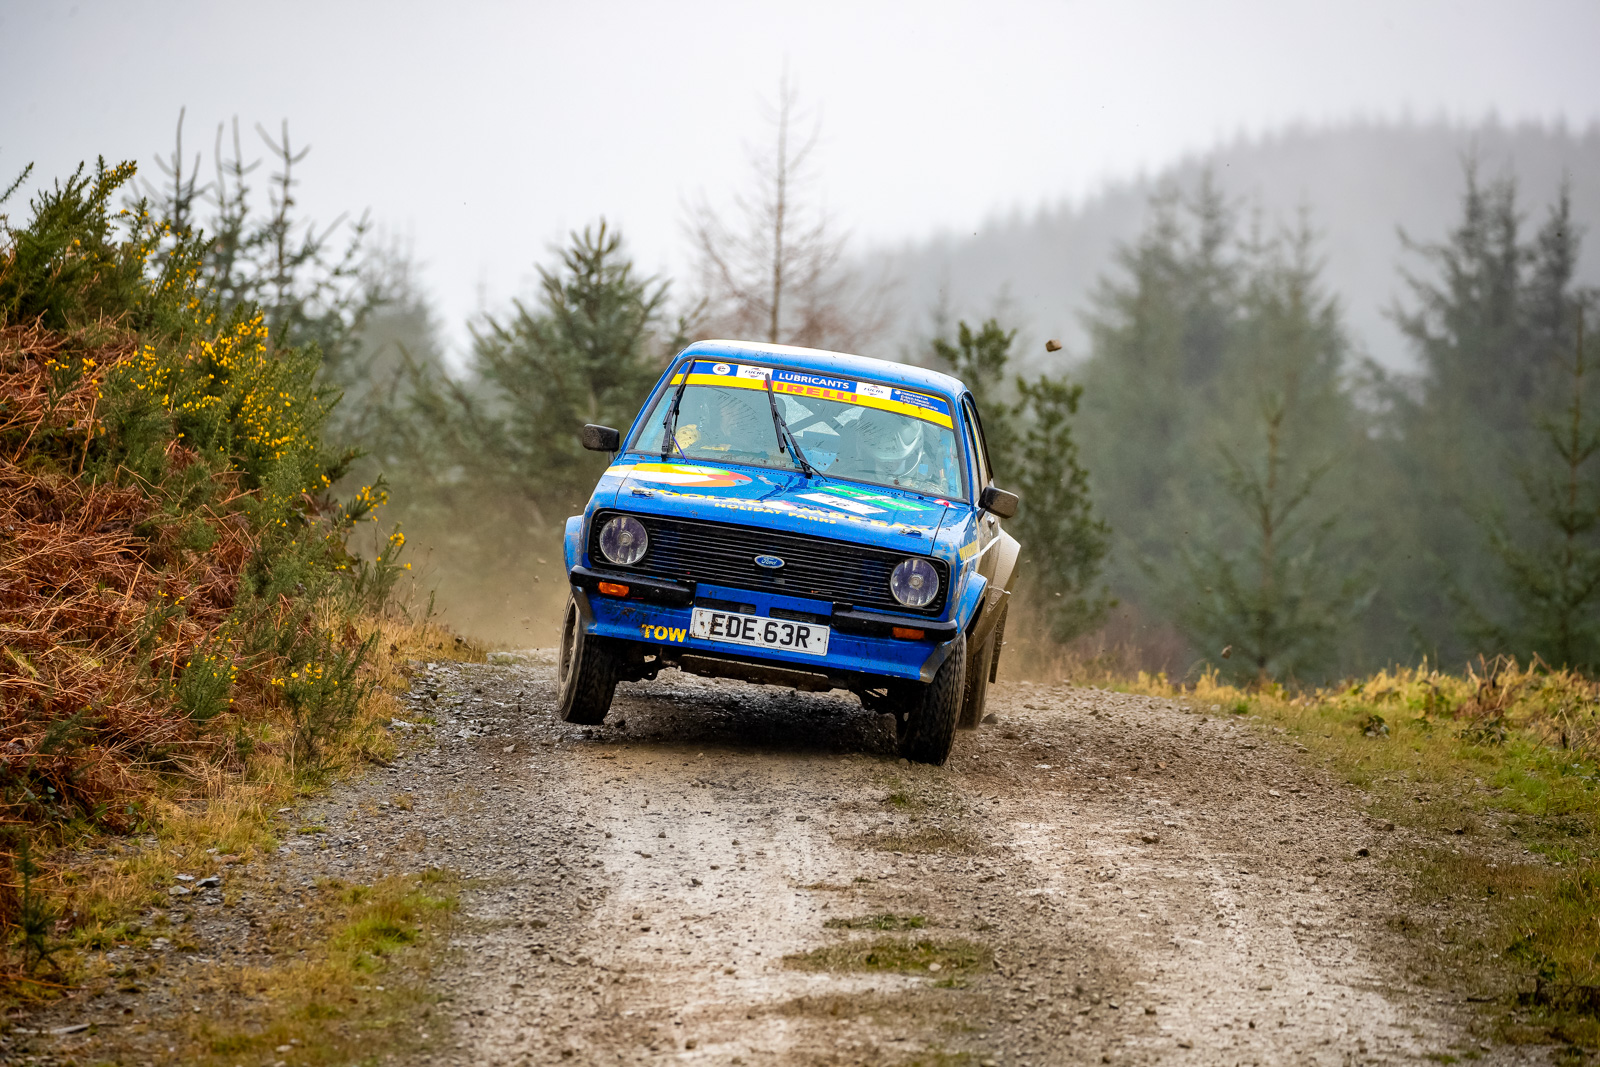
{"x":914,"y":583}
{"x":623,"y":540}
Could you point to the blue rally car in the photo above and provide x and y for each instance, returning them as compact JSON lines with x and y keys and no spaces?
{"x":799,"y":518}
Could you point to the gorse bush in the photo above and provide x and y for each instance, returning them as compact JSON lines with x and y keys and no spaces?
{"x":175,"y":588}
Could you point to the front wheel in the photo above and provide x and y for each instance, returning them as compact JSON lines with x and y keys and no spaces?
{"x":925,"y":715}
{"x":587,"y":672}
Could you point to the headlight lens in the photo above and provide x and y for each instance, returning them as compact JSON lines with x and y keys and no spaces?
{"x":623,"y":540}
{"x":914,"y":583}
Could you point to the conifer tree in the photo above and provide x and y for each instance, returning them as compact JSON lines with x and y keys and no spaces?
{"x":501,"y":444}
{"x":1035,"y":454}
{"x":1159,"y":330}
{"x":1271,"y":577}
{"x":1553,"y":573}
{"x":1064,"y":541}
{"x":980,"y":359}
{"x":1491,"y":327}
{"x":588,"y":352}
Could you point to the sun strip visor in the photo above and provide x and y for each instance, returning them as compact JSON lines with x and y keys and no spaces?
{"x":803,"y":383}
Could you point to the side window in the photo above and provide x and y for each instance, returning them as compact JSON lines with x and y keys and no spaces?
{"x":975,"y":444}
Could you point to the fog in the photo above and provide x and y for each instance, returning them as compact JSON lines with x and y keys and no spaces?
{"x":480,"y":133}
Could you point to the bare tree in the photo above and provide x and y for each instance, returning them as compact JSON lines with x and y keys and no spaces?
{"x":777,"y":270}
{"x":179,"y":202}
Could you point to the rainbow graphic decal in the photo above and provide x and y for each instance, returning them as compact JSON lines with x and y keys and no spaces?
{"x":686,"y":474}
{"x":810,"y":513}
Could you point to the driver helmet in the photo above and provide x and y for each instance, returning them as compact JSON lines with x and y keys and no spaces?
{"x":890,"y":441}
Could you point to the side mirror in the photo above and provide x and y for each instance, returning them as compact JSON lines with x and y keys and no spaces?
{"x":999,"y":501}
{"x":601,"y":438}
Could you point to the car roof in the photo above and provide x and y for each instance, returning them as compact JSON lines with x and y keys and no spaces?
{"x":841,"y":363}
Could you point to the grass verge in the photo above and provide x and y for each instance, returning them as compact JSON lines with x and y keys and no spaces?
{"x":360,"y":991}
{"x":96,"y":890}
{"x":352,"y":986}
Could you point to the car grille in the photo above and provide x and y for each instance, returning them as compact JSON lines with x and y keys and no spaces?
{"x":724,"y":554}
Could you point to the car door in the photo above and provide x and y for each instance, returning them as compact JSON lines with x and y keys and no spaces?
{"x":997,"y":550}
{"x":983,"y":476}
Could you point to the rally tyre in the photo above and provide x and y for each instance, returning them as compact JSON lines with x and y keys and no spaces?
{"x":926,"y":719}
{"x":586,"y":673}
{"x":976,"y":690}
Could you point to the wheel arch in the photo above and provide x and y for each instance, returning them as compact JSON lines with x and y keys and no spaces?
{"x":995,"y":595}
{"x":572,"y":542}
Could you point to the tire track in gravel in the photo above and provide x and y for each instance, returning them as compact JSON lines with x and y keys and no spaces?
{"x":1229,"y":879}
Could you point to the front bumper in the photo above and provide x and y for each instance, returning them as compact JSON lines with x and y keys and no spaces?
{"x":658,"y":612}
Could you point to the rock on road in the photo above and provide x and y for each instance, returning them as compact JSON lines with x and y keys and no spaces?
{"x":1109,"y":878}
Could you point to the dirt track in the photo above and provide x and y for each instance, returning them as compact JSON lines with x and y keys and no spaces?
{"x":1099,"y":877}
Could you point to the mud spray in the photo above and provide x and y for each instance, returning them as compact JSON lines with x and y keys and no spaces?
{"x":494,"y":580}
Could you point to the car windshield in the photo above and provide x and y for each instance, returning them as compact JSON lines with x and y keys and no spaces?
{"x":850,"y":430}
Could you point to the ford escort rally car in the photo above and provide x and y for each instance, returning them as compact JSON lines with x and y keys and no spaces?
{"x":800,"y":518}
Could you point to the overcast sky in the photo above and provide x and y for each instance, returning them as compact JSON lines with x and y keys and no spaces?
{"x":482,"y":132}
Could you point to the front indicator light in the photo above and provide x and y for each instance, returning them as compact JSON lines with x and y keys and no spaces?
{"x":914,"y":583}
{"x":613,"y":589}
{"x":623,"y":540}
{"x":906,"y":633}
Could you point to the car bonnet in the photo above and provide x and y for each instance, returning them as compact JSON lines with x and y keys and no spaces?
{"x":826,"y":507}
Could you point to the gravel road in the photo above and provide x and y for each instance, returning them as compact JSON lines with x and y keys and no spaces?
{"x":737,"y":874}
{"x":1106,"y":878}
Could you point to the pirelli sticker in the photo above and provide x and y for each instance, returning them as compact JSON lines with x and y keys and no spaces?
{"x":804,"y":383}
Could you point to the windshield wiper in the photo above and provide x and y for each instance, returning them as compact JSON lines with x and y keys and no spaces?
{"x":669,"y":440}
{"x":781,"y":425}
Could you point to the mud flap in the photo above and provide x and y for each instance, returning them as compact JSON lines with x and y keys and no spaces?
{"x":936,"y":658}
{"x":585,"y":611}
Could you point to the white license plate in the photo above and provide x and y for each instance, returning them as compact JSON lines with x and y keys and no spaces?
{"x":734,"y":629}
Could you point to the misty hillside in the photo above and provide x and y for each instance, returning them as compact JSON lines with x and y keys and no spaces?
{"x":1361,"y":181}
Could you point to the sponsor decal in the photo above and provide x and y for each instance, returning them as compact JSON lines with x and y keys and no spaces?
{"x":927,"y":403}
{"x":843,"y":385}
{"x":663,"y":633}
{"x":969,"y":549}
{"x":687,"y":474}
{"x":855,"y":507}
{"x":894,"y":503}
{"x":721,"y":368}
